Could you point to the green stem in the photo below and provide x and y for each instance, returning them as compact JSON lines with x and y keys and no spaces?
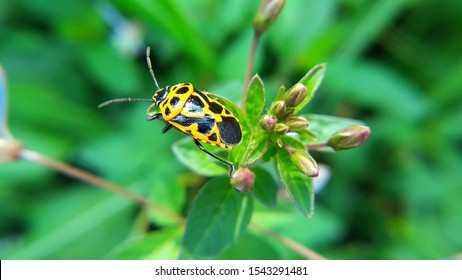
{"x":96,"y":181}
{"x":316,"y":146}
{"x":289,"y":243}
{"x":250,"y":66}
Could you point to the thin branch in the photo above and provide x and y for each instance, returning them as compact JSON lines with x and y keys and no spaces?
{"x":316,"y":146}
{"x":250,"y":66}
{"x":289,"y":243}
{"x":96,"y":181}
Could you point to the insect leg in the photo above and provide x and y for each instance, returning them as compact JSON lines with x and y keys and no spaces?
{"x":231,"y":166}
{"x":155,"y":117}
{"x":166,"y":128}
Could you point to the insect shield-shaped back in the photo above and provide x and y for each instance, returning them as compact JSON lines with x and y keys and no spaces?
{"x":196,"y":114}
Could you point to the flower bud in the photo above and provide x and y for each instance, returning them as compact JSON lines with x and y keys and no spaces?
{"x":296,"y":95}
{"x":243,"y":180}
{"x":297,"y":123}
{"x":350,"y":137}
{"x":281,"y":128}
{"x":268,"y":12}
{"x":278,"y":108}
{"x":289,"y":113}
{"x":268,"y":122}
{"x":305,"y":163}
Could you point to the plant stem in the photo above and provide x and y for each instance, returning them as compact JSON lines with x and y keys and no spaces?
{"x":96,"y":181}
{"x":250,"y":66}
{"x":316,"y":146}
{"x":289,"y":243}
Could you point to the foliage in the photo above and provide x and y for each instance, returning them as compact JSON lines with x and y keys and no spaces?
{"x":388,"y":64}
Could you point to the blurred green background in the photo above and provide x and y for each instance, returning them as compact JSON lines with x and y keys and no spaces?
{"x":394,"y":64}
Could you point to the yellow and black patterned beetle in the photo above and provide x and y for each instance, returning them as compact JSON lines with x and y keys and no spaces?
{"x":194,"y":113}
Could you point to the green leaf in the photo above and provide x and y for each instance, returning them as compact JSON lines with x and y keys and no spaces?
{"x":324,"y":230}
{"x":64,"y":222}
{"x":280,"y":93}
{"x":159,"y":245}
{"x":122,"y":79}
{"x":265,"y":187}
{"x":238,"y":153}
{"x":183,"y":30}
{"x":257,"y":148}
{"x":299,"y":186}
{"x":307,"y":135}
{"x":324,"y":126}
{"x":234,"y":56}
{"x":166,"y":192}
{"x":370,"y":25}
{"x":152,"y":110}
{"x":230,"y":105}
{"x":190,"y":155}
{"x":312,"y":80}
{"x":270,"y":152}
{"x":292,"y":141}
{"x":255,"y":101}
{"x":377,"y":87}
{"x":217,"y":218}
{"x":252,"y":246}
{"x":313,"y":17}
{"x":33,"y":100}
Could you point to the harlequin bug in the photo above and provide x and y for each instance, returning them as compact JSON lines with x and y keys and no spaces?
{"x":192,"y":112}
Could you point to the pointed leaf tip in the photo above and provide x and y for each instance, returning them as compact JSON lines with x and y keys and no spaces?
{"x":312,"y":80}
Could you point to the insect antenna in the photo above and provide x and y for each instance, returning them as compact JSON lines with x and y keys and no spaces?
{"x":148,"y":60}
{"x":119,"y":100}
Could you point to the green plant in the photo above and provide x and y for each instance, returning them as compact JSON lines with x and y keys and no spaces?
{"x":282,"y":135}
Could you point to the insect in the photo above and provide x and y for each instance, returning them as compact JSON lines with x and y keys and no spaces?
{"x":193,"y":113}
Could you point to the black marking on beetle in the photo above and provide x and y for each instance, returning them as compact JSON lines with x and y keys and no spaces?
{"x":230,"y":131}
{"x":213,"y":137}
{"x":201,"y":94}
{"x":194,"y":105}
{"x":182,"y":90}
{"x":204,"y":127}
{"x":167,"y":111}
{"x":175,"y":102}
{"x":215,"y":107}
{"x":204,"y":124}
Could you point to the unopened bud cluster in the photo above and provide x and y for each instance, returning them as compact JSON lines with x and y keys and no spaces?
{"x":280,"y":118}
